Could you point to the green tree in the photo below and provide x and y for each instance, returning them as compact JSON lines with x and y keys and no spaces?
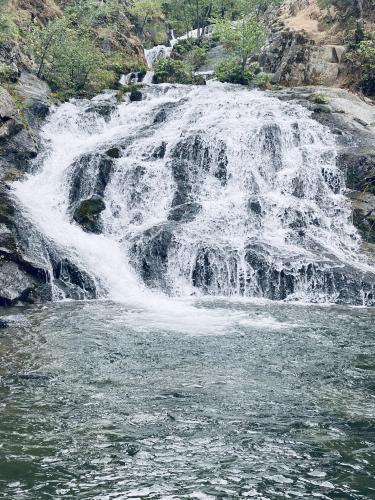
{"x":44,"y":41}
{"x":66,"y":57}
{"x":73,"y":62}
{"x":240,"y":38}
{"x":145,"y":11}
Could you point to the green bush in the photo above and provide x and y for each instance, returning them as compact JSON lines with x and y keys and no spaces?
{"x":8,"y":28}
{"x":8,"y":73}
{"x":319,"y":99}
{"x":196,"y":58}
{"x":172,"y":71}
{"x":367,"y":60}
{"x":263,"y":81}
{"x":185,"y":46}
{"x":232,"y":72}
{"x":134,"y":66}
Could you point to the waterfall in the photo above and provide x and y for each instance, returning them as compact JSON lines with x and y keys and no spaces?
{"x":159,"y":52}
{"x":213,"y":190}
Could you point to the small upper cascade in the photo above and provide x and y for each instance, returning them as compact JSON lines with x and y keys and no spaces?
{"x":205,"y":32}
{"x":156,"y":53}
{"x":159,"y":52}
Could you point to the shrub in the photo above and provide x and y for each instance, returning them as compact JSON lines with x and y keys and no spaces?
{"x":186,"y":45}
{"x":133,"y":66}
{"x":73,"y":64}
{"x":172,"y":71}
{"x":8,"y":28}
{"x":232,"y":72}
{"x":196,"y":58}
{"x":8,"y":73}
{"x":263,"y":81}
{"x":367,"y":59}
{"x":319,"y":99}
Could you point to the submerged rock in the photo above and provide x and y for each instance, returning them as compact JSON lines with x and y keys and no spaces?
{"x":185,"y":213}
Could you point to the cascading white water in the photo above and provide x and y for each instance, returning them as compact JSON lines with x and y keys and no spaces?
{"x":216,"y":190}
{"x":159,"y":52}
{"x":156,"y":53}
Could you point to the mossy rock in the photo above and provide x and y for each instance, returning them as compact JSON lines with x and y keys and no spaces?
{"x":87,"y":214}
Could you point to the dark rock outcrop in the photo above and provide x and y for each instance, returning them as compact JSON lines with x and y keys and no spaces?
{"x":150,"y":254}
{"x":91,"y":174}
{"x":135,"y":95}
{"x":191,"y":159}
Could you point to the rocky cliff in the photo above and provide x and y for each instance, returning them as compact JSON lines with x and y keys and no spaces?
{"x":308,"y":45}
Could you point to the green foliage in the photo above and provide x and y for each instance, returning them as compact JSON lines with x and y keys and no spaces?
{"x":367,"y":59}
{"x":185,"y":46}
{"x":134,"y":66}
{"x":196,"y":58}
{"x":68,"y":50}
{"x":8,"y":73}
{"x":172,"y":71}
{"x":263,"y":81}
{"x":319,"y":98}
{"x":66,"y":57}
{"x":241,"y":39}
{"x":146,"y":10}
{"x":8,"y":28}
{"x":325,"y":4}
{"x":185,"y":15}
{"x":232,"y":71}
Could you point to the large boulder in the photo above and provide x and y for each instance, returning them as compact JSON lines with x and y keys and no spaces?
{"x":35,"y":94}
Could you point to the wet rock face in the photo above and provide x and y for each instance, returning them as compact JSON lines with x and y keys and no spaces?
{"x":150,"y":254}
{"x":363,"y":204}
{"x":28,"y":262}
{"x":15,"y":284}
{"x":135,"y":95}
{"x":351,"y":120}
{"x":358,"y":163}
{"x":262,"y":277}
{"x":73,"y":282}
{"x":19,"y":145}
{"x":91,"y":174}
{"x":192,"y":158}
{"x":87,"y":214}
